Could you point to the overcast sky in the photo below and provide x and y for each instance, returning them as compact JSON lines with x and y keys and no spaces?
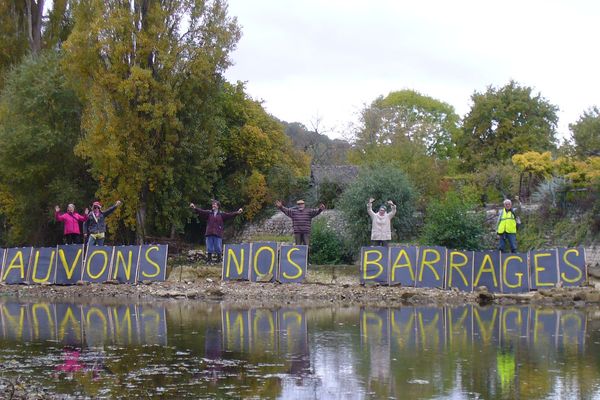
{"x":310,"y":59}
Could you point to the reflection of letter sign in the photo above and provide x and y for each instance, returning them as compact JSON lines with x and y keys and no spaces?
{"x":263,"y":262}
{"x":486,"y":270}
{"x":460,"y":270}
{"x":292,"y":263}
{"x":572,"y":267}
{"x":69,"y":264}
{"x":16,"y":265}
{"x":374,"y":263}
{"x":153,"y":262}
{"x":543,"y":269}
{"x":125,"y":263}
{"x":432,"y":267}
{"x":43,"y":263}
{"x":97,"y":264}
{"x":236,"y":262}
{"x":515,"y":278}
{"x":403,"y":265}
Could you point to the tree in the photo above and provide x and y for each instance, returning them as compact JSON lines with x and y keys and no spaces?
{"x":39,"y":127}
{"x":452,"y":224}
{"x":504,"y":122}
{"x":536,"y":165}
{"x":407,"y":115}
{"x":383,"y":183}
{"x":136,"y":66}
{"x":24,"y":29}
{"x":586,"y":133}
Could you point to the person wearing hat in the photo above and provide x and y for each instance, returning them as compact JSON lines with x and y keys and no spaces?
{"x":506,"y":228}
{"x":301,"y":219}
{"x":214,"y":228}
{"x":71,"y":220}
{"x":95,"y":225}
{"x":381,"y":230}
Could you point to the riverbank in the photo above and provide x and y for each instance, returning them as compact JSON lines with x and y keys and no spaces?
{"x":325,"y":284}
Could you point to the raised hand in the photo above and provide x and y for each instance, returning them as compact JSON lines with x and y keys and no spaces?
{"x":118,"y":203}
{"x":192,"y":205}
{"x":322,"y":206}
{"x":56,"y":208}
{"x":241,"y":210}
{"x":278,"y":204}
{"x":86,"y":211}
{"x":371,"y":199}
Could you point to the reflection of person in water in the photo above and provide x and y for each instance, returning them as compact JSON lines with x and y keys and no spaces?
{"x":73,"y":363}
{"x":506,"y":366}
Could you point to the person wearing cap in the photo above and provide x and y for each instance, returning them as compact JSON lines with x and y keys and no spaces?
{"x":95,"y":225}
{"x":381,"y":229}
{"x":71,"y":220}
{"x":507,"y":227}
{"x":301,"y":219}
{"x":214,"y":228}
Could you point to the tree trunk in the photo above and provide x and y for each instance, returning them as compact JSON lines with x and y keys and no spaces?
{"x":34,"y":11}
{"x":140,"y":218}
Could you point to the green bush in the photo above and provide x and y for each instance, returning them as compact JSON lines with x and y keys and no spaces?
{"x":382,"y":183}
{"x":452,"y":224}
{"x":326,"y":246}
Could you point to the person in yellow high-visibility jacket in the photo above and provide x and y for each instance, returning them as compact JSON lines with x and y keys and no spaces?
{"x":507,"y":227}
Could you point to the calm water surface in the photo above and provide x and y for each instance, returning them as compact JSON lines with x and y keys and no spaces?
{"x":194,"y":350}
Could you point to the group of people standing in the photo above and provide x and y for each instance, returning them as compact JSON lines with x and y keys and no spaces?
{"x":94,"y":224}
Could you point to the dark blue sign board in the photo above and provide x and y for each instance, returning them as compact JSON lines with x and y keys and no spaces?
{"x":97,"y":264}
{"x":432,"y":267}
{"x":543,"y":269}
{"x":514,"y":275}
{"x":486,"y":271}
{"x":236,"y":330}
{"x":374,"y":265}
{"x":125,"y":263}
{"x":16,"y":265}
{"x":69,"y":264}
{"x":572,"y":266}
{"x":43,"y":265}
{"x":153,"y":262}
{"x":403,"y":266}
{"x":293,"y":262}
{"x":263,"y":262}
{"x":459,"y":271}
{"x":236,"y":262}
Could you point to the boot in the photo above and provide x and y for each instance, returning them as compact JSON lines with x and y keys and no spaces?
{"x":219,"y":258}
{"x":209,"y":258}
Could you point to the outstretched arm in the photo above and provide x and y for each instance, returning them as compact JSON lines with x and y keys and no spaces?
{"x":393,"y":212}
{"x":199,"y":211}
{"x":370,"y":207}
{"x":231,"y":214}
{"x":112,"y":209}
{"x":285,"y":210}
{"x":57,"y":215}
{"x":316,"y":211}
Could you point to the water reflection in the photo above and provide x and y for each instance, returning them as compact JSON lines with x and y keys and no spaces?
{"x":195,"y":350}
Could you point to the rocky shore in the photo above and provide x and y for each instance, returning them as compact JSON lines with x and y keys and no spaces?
{"x":325,"y":284}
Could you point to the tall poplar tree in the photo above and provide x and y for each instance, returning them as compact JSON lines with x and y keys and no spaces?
{"x":137,"y":65}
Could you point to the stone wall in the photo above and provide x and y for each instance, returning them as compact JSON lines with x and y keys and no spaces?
{"x":281,"y":225}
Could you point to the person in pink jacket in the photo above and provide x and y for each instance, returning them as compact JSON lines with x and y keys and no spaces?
{"x":71,"y":219}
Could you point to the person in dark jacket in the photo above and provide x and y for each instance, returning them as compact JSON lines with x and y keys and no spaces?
{"x":95,"y":225}
{"x":301,"y":219}
{"x":214,"y":228}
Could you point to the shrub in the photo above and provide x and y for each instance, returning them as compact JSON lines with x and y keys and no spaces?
{"x":452,"y":224}
{"x":383,"y":183}
{"x":327,"y":247}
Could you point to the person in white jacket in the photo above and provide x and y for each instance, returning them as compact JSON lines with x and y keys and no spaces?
{"x":381,"y":232}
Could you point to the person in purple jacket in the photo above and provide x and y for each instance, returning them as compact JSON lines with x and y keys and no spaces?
{"x":214,"y":228}
{"x":301,"y":219}
{"x":71,"y":220}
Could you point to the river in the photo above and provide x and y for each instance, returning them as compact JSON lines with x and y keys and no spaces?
{"x":190,"y":349}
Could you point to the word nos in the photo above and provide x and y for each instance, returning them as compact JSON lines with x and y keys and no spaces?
{"x":465,"y":270}
{"x":451,"y":328}
{"x":93,"y":325}
{"x":265,"y":262}
{"x":66,"y":265}
{"x":265,"y":331}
